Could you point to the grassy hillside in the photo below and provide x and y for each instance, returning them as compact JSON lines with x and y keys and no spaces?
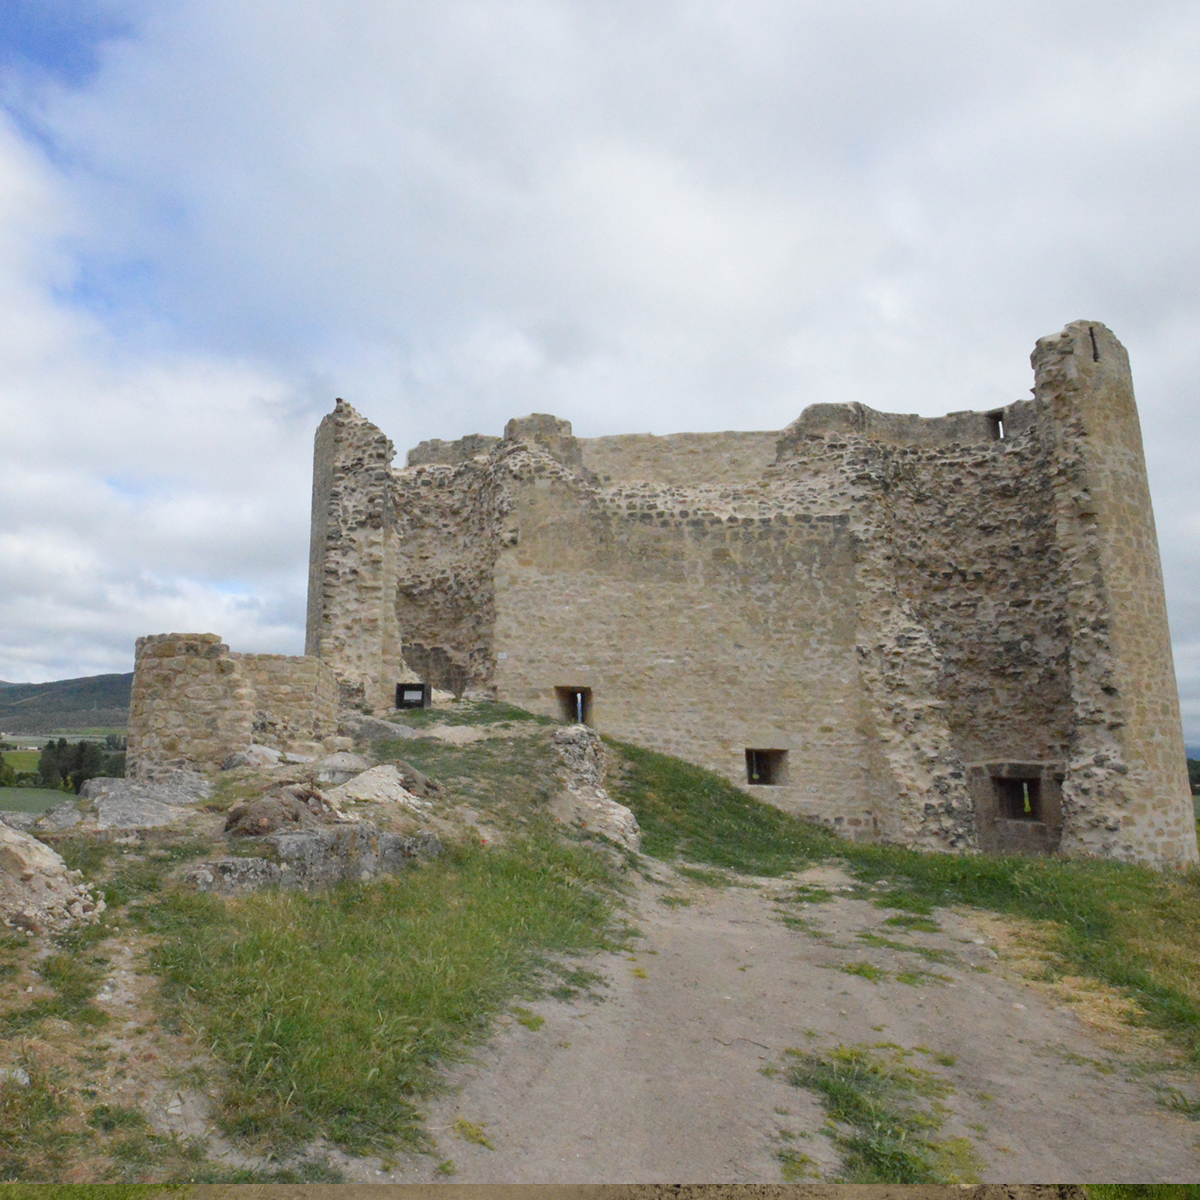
{"x":93,"y":702}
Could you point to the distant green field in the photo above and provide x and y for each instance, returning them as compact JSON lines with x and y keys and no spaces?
{"x":31,"y":799}
{"x":22,"y":760}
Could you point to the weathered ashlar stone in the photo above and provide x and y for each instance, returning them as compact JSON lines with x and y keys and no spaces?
{"x":948,"y":633}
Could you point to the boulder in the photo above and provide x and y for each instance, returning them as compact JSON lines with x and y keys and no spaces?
{"x":19,"y":820}
{"x":417,"y":782}
{"x":380,"y":785}
{"x":340,"y":854}
{"x":317,"y":857}
{"x":373,"y":729}
{"x":252,"y":756}
{"x":232,"y":875}
{"x":37,"y":891}
{"x":340,"y":766}
{"x":182,"y":789}
{"x":142,"y":803}
{"x":61,"y":816}
{"x":294,"y":807}
{"x":133,"y":812}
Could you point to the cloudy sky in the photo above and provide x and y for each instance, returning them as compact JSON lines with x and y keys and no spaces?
{"x":641,"y":215}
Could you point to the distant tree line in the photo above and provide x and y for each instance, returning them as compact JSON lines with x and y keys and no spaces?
{"x":1194,"y":775}
{"x":67,"y":767}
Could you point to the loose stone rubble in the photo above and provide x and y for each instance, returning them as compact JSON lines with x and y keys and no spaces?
{"x":37,"y":891}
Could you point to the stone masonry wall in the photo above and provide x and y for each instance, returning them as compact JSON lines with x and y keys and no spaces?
{"x":679,"y":459}
{"x":1126,"y":793}
{"x":704,"y":621}
{"x":190,"y":703}
{"x":912,"y":612}
{"x":295,"y":699}
{"x":352,"y":561}
{"x":194,"y":703}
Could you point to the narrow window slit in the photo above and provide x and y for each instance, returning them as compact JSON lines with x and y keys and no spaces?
{"x":575,"y":705}
{"x":766,"y":767}
{"x":1018,"y":799}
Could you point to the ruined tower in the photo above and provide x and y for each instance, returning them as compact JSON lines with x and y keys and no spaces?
{"x":947,"y":632}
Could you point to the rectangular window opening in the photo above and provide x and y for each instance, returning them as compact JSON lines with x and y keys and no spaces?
{"x":413,"y":695}
{"x":997,"y":420}
{"x":575,"y":705}
{"x":1018,"y":799}
{"x":766,"y":767}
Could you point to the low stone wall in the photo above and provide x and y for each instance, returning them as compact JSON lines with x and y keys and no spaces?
{"x":194,"y":702}
{"x":295,"y":698}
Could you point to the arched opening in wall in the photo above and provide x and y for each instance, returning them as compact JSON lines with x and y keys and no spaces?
{"x":997,"y":423}
{"x":575,"y":705}
{"x":767,"y":767}
{"x":1018,"y":799}
{"x":412,"y":695}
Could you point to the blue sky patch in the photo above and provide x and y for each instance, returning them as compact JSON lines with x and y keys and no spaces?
{"x":59,"y":38}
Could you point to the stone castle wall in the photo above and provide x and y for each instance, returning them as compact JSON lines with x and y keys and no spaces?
{"x":194,"y":703}
{"x":295,"y":699}
{"x":909,"y":614}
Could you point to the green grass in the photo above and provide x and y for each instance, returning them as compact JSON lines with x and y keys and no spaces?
{"x":22,"y":760}
{"x":129,"y":873}
{"x":865,"y":970}
{"x":885,"y":1113}
{"x":75,"y":978}
{"x":332,"y":1012}
{"x":519,"y":771}
{"x":687,"y":812}
{"x":34,"y":1142}
{"x":31,"y":800}
{"x":1130,"y":927}
{"x":467,"y":712}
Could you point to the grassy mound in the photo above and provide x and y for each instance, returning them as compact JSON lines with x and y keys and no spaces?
{"x":1128,"y":926}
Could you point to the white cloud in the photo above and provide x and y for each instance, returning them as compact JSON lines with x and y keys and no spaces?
{"x":699,"y":214}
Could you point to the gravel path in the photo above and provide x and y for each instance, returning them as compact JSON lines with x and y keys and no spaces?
{"x":661,"y":1079}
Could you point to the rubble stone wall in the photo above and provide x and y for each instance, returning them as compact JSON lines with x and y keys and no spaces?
{"x":352,"y":559}
{"x":1126,"y":792}
{"x":679,"y":459}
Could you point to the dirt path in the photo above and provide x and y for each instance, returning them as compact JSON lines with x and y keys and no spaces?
{"x":662,"y":1079}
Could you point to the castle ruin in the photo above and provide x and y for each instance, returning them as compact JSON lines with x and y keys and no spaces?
{"x":946,"y":633}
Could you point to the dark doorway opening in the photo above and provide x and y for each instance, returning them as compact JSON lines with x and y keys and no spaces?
{"x":575,"y":705}
{"x":1018,"y":799}
{"x":997,"y":422}
{"x":412,"y":695}
{"x":766,"y":766}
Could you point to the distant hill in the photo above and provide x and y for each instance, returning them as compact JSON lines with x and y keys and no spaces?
{"x":95,"y":701}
